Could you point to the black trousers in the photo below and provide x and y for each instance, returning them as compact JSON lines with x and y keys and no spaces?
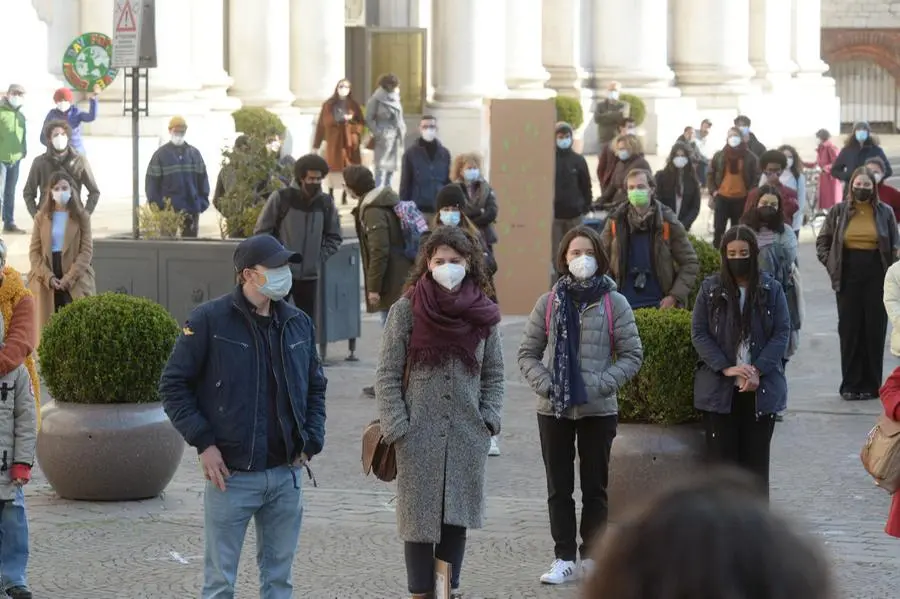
{"x":726,"y":209}
{"x":420,"y":559}
{"x":304,"y":293}
{"x":60,"y":298}
{"x":593,"y":438}
{"x":190,"y":225}
{"x":741,"y":438}
{"x":862,"y":321}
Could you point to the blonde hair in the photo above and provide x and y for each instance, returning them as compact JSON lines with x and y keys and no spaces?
{"x":459,"y":164}
{"x":632,"y":143}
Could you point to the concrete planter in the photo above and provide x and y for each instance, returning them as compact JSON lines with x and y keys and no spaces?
{"x":647,"y":457}
{"x":108,"y":452}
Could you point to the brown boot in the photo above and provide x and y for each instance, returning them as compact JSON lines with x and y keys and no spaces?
{"x":423,"y":596}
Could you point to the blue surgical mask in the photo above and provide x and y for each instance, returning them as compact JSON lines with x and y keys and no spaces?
{"x":564,"y":144}
{"x":623,"y":155}
{"x":745,"y":130}
{"x":471,"y":174}
{"x":861,"y":135}
{"x":278,"y":283}
{"x":449,"y":218}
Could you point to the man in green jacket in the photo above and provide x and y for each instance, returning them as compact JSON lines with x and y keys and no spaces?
{"x":12,"y":150}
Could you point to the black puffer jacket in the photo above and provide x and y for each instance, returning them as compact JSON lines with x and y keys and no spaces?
{"x":573,"y":194}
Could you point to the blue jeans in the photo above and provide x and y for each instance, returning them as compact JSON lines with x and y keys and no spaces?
{"x":274,"y":499}
{"x":383,"y":177}
{"x":383,"y":315}
{"x":13,"y":542}
{"x":9,"y":177}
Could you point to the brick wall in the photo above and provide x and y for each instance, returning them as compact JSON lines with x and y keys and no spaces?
{"x":860,"y":13}
{"x":881,"y":46}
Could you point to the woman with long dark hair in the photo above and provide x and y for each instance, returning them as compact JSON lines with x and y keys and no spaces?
{"x":340,"y":127}
{"x":857,"y":244}
{"x":741,"y":328}
{"x":439,"y":386}
{"x":61,"y":249}
{"x":589,"y":331}
{"x":677,"y":185}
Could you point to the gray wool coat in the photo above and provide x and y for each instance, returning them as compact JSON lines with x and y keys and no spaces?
{"x":441,"y":429}
{"x":384,"y":118}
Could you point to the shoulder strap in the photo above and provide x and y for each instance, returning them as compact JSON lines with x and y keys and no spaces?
{"x":612,"y":227}
{"x":284,"y":206}
{"x":609,"y":322}
{"x":548,"y":312}
{"x":666,"y":231}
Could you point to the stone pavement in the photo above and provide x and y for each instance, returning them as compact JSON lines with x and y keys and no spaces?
{"x":349,"y":548}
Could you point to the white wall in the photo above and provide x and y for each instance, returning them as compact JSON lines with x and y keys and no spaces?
{"x":861,"y":14}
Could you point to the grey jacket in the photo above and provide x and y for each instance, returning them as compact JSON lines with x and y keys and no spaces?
{"x":441,"y":427}
{"x":603,"y":377}
{"x":312,"y":228}
{"x":18,"y":426}
{"x":384,"y":118}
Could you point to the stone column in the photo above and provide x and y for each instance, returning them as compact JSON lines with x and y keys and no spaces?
{"x":208,"y":49}
{"x":259,"y":39}
{"x":561,"y":45}
{"x":63,"y":26}
{"x":525,"y":72}
{"x":174,"y":79}
{"x":807,"y":30}
{"x":711,"y":49}
{"x":630,"y":43}
{"x":771,"y":41}
{"x":97,"y":15}
{"x":316,"y":51}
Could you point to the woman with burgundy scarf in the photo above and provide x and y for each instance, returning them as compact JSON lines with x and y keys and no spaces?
{"x":733,"y":172}
{"x":594,"y":349}
{"x":439,"y":386}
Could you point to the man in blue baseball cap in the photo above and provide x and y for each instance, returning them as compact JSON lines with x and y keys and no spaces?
{"x":245,"y":387}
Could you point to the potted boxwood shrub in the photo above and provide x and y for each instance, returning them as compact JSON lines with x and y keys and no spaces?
{"x":105,"y":436}
{"x":658,"y":440}
{"x":710,"y":263}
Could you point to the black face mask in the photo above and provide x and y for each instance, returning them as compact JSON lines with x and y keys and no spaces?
{"x":768,"y":213}
{"x":739,"y":267}
{"x":312,"y":189}
{"x":863,"y":194}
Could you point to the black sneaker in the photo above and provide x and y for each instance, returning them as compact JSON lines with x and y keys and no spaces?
{"x":369,"y":391}
{"x":18,"y":593}
{"x":867,"y":396}
{"x":847,"y":396}
{"x":13,"y":229}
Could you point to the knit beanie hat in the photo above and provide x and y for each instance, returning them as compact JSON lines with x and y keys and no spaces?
{"x":451,"y":196}
{"x":177,"y":122}
{"x":63,"y":94}
{"x":563,"y":127}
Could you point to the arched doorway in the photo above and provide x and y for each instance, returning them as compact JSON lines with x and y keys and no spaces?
{"x":868,"y":92}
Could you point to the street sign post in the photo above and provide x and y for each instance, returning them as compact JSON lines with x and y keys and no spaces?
{"x":127,"y":33}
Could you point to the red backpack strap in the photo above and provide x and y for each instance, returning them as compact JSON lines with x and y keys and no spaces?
{"x":548,"y":313}
{"x":612,"y":228}
{"x":607,"y":300}
{"x":666,"y":231}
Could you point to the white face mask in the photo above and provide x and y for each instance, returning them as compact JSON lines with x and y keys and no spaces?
{"x":177,"y":139}
{"x":15,"y":101}
{"x":878,"y":177}
{"x":449,"y":276}
{"x":583,"y":267}
{"x":734,"y":141}
{"x":343,"y":91}
{"x":63,"y":106}
{"x":613,"y":94}
{"x":62,"y":196}
{"x":680,"y":161}
{"x":429,"y":134}
{"x":790,"y":162}
{"x":273,"y":146}
{"x":60,"y":142}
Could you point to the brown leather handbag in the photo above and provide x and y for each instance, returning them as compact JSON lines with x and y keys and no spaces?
{"x":380,"y":458}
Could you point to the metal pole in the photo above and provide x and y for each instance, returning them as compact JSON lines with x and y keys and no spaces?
{"x":135,"y":138}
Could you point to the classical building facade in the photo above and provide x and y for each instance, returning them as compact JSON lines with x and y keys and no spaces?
{"x":689,"y":59}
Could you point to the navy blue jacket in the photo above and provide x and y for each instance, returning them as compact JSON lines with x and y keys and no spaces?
{"x":210,"y":387}
{"x":179,"y":173}
{"x":715,"y":341}
{"x":854,"y":156}
{"x":422,"y":178}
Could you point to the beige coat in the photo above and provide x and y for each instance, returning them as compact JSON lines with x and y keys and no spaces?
{"x":78,"y":274}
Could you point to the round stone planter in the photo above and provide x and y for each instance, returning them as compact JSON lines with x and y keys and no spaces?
{"x":108,"y":452}
{"x":648,"y":457}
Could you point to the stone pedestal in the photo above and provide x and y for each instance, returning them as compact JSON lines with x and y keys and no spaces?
{"x":525,"y":72}
{"x":561,"y":46}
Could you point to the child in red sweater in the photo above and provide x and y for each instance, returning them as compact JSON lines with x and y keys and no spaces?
{"x":890,"y":397}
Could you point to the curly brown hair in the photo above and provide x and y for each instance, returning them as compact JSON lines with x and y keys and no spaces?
{"x":51,"y":125}
{"x":465,"y":244}
{"x":459,"y":164}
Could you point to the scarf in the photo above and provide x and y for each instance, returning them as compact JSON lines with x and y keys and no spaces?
{"x":449,"y":324}
{"x":570,"y":297}
{"x":733,"y":157}
{"x":12,"y":290}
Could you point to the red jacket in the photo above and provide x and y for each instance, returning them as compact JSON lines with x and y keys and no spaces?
{"x":890,"y":196}
{"x":890,"y":397}
{"x":788,"y":202}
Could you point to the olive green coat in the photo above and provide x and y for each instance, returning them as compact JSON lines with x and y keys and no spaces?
{"x":385,"y":267}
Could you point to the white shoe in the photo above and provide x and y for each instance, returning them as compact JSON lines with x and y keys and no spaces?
{"x":495,"y":449}
{"x":587,"y":567}
{"x":560,"y":572}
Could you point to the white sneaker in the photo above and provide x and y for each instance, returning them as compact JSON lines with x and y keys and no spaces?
{"x":495,"y":449}
{"x":587,"y":567}
{"x":560,"y":572}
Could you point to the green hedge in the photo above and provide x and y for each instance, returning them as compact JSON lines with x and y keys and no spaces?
{"x":106,"y":349}
{"x":257,"y":122}
{"x":638,"y":108}
{"x":710,"y":263}
{"x":569,"y":110}
{"x":663,"y":390}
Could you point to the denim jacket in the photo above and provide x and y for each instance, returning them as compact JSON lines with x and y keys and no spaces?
{"x":210,"y":385}
{"x":714,"y":339}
